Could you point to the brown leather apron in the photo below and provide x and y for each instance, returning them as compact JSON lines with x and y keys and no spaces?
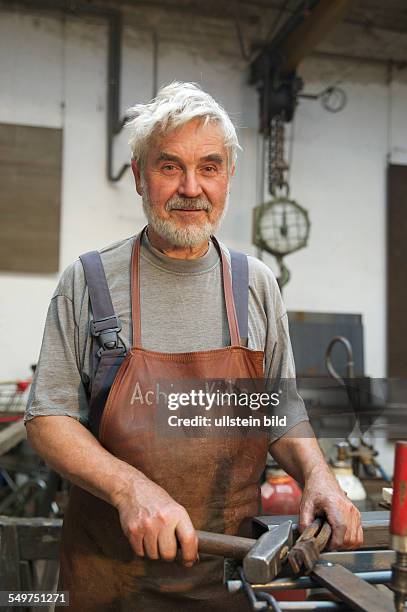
{"x":216,"y":478}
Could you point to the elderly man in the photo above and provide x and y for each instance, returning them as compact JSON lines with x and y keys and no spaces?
{"x":161,"y":306}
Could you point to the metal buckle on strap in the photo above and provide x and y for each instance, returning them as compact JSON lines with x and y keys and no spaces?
{"x":107,"y":324}
{"x":106,"y":331}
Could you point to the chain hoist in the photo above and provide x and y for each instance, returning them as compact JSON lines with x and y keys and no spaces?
{"x":281,"y":226}
{"x":277,"y":166}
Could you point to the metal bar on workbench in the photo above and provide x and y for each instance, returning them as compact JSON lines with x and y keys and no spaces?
{"x":359,"y":594}
{"x":361,"y":560}
{"x":305,"y":582}
{"x":375,"y":526}
{"x":309,"y":606}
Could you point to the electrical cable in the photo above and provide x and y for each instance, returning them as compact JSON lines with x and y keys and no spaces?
{"x":272,"y":602}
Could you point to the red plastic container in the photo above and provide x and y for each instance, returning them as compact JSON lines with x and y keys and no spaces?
{"x":280,"y":494}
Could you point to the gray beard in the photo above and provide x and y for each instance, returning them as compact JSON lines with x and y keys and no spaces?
{"x":190,"y":236}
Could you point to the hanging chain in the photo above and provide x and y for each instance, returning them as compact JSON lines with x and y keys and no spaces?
{"x":277,"y":165}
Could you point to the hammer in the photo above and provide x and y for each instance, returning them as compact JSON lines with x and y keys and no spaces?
{"x":262,"y":558}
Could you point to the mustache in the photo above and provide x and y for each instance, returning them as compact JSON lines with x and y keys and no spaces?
{"x":177,"y":203}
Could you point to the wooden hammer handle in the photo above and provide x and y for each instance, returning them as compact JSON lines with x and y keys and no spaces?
{"x":224,"y":545}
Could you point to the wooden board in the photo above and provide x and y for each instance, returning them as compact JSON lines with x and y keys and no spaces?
{"x":30,"y":198}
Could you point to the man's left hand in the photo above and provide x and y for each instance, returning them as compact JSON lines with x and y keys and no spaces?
{"x":322,"y":495}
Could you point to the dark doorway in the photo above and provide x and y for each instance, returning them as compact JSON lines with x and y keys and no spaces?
{"x":397,"y":271}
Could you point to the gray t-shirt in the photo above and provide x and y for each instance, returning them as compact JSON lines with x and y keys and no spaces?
{"x":182,"y":310}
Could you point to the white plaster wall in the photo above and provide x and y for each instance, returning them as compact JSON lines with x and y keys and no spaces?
{"x":30,"y":48}
{"x":53,"y":73}
{"x":338,"y":174}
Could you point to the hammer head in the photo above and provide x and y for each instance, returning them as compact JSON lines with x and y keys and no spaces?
{"x":264,"y":561}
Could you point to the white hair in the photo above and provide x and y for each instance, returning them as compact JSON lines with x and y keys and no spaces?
{"x":177,"y":104}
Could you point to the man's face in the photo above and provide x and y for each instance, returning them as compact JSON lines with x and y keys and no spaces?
{"x":185,"y":183}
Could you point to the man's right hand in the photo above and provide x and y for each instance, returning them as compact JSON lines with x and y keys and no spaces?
{"x":150,"y":518}
{"x":154,"y":523}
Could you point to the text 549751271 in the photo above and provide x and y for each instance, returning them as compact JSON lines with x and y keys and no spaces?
{"x":37,"y":598}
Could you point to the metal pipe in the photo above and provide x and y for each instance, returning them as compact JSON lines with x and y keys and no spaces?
{"x":114,"y":21}
{"x":311,"y":605}
{"x":155,"y":41}
{"x":114,"y":122}
{"x":350,"y":372}
{"x":256,"y":592}
{"x":304,"y":582}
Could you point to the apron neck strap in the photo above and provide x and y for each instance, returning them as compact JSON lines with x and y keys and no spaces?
{"x":135,"y":292}
{"x":228,"y":293}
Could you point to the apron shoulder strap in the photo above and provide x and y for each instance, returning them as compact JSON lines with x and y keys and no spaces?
{"x":105,"y":324}
{"x":108,"y":353}
{"x":240,"y":287}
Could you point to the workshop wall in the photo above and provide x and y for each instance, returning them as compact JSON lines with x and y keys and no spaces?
{"x":53,"y":74}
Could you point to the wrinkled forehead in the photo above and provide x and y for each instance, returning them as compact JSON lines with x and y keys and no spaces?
{"x":198,"y":138}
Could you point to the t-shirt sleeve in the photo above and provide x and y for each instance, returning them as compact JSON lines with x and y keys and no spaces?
{"x":279,"y":360}
{"x":282,"y":377}
{"x":57,"y":388}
